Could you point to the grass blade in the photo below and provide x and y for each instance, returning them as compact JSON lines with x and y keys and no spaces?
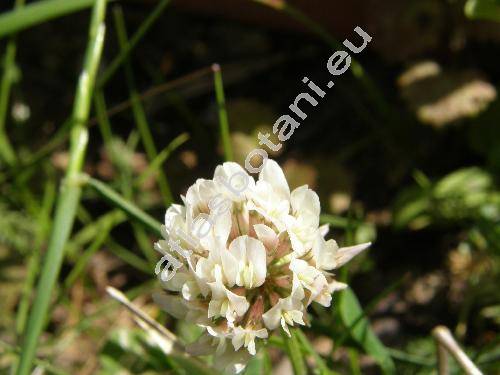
{"x":221,"y":105}
{"x":70,"y":190}
{"x":39,"y":12}
{"x":350,"y":312}
{"x":34,"y":260}
{"x":356,"y":68}
{"x":130,"y":45}
{"x":138,"y":110}
{"x":82,"y":261}
{"x":118,"y":201}
{"x":161,"y":158}
{"x":8,"y":76}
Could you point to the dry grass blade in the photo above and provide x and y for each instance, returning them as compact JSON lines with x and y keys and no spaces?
{"x":142,"y":316}
{"x":447,"y":344}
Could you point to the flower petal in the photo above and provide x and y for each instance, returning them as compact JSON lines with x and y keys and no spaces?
{"x":345,"y":254}
{"x":273,"y":174}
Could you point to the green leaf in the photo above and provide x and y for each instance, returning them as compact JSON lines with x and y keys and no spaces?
{"x":463,"y":182}
{"x":353,"y":317}
{"x":128,"y":207}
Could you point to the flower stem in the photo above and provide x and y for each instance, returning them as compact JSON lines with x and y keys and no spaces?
{"x":223,"y":121}
{"x":294,"y":352}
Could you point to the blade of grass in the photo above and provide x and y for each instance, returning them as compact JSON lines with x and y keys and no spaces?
{"x":102,"y":118}
{"x":70,"y":190}
{"x":8,"y":76}
{"x":93,"y":224}
{"x":221,"y":105}
{"x":43,"y":226}
{"x":131,"y":44}
{"x":161,"y":158}
{"x":401,"y":356}
{"x":85,"y":256}
{"x":138,"y":110}
{"x":62,"y":133}
{"x":127,"y":256}
{"x":118,"y":201}
{"x":110,"y":70}
{"x":361,"y":332}
{"x":294,"y":352}
{"x":41,"y":363}
{"x":370,"y":307}
{"x":127,"y":185}
{"x":86,"y":234}
{"x":145,"y":244}
{"x":39,"y":12}
{"x":356,"y":68}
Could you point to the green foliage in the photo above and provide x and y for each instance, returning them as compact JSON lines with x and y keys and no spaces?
{"x":294,"y":352}
{"x":17,"y":230}
{"x":353,"y":317}
{"x":69,"y":199}
{"x":112,"y":243}
{"x":464,"y":195}
{"x":483,"y":9}
{"x":131,"y":350}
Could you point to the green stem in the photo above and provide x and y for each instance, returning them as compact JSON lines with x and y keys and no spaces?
{"x":356,"y":68}
{"x":110,"y":70}
{"x":294,"y":352}
{"x":320,"y":363}
{"x":118,"y":201}
{"x":130,"y":45}
{"x":8,"y":77}
{"x":221,"y":105}
{"x":69,"y":190}
{"x":38,"y":12}
{"x":43,"y":225}
{"x":138,"y":110}
{"x":157,"y":162}
{"x":102,"y":119}
{"x":82,"y":261}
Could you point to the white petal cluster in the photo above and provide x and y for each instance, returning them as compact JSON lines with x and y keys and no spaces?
{"x":253,"y":265}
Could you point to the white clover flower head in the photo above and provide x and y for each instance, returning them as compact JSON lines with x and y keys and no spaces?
{"x":253,"y":257}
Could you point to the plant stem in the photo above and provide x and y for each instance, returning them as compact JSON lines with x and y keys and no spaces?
{"x":221,"y":105}
{"x":138,"y":110}
{"x":33,"y":266}
{"x":69,"y":190}
{"x":118,"y":201}
{"x":8,"y":77}
{"x":130,"y":45}
{"x":294,"y":352}
{"x":356,"y":68}
{"x":38,"y":12}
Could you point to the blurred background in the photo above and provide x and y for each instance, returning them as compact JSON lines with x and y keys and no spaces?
{"x":404,"y":151}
